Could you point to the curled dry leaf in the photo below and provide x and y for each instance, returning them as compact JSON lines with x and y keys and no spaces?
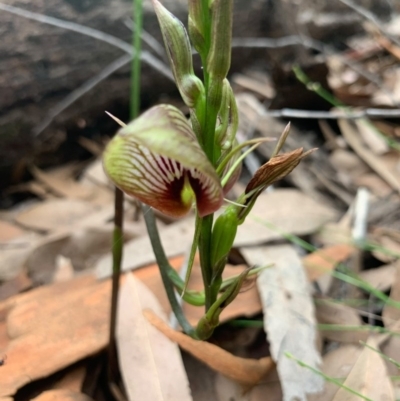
{"x":246,"y":371}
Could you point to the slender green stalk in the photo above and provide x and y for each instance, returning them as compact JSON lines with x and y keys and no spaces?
{"x":117,"y":251}
{"x":117,"y":248}
{"x":193,"y":250}
{"x":163,"y":265}
{"x":327,"y":378}
{"x":137,"y":44}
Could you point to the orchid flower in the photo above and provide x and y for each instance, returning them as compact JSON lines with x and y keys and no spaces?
{"x":158,"y":160}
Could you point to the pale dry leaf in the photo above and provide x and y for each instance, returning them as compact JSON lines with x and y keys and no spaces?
{"x":289,"y":211}
{"x":355,"y":142}
{"x":228,"y":389}
{"x":95,"y":173}
{"x":54,"y":213}
{"x":329,"y":312}
{"x":390,"y":242}
{"x":9,"y":231}
{"x":333,"y":234}
{"x":62,"y":183}
{"x":337,"y":364}
{"x":13,"y":254}
{"x":244,"y":370}
{"x":64,"y":270}
{"x":201,"y":378}
{"x":176,"y":239}
{"x":368,"y":377}
{"x":289,"y":319}
{"x":374,"y":183}
{"x":269,"y":390}
{"x":372,"y":137}
{"x":381,"y":278}
{"x":391,"y":313}
{"x":391,"y":319}
{"x":151,"y":365}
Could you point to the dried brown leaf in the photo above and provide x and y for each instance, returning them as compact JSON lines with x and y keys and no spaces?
{"x":247,"y":371}
{"x":381,"y":278}
{"x":61,"y":182}
{"x":334,"y":313}
{"x":353,"y":139}
{"x":45,"y":336}
{"x":338,"y":364}
{"x":9,"y":231}
{"x":151,"y":365}
{"x":54,"y":214}
{"x":289,"y":211}
{"x":324,"y":260}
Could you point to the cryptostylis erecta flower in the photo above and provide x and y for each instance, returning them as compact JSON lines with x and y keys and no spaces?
{"x":158,"y":160}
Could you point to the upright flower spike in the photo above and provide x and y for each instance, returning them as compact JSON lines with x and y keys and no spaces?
{"x":178,"y":48}
{"x":157,"y":159}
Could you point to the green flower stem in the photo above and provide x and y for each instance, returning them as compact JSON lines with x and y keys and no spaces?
{"x":117,"y":252}
{"x":205,"y":258}
{"x":135,"y":68}
{"x":163,"y":265}
{"x":193,"y":250}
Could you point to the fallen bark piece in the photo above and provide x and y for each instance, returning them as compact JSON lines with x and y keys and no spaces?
{"x":243,"y":370}
{"x":62,"y":395}
{"x":289,"y":319}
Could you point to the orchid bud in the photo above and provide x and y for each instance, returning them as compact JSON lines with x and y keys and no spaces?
{"x":195,"y":25}
{"x":157,"y":159}
{"x":223,"y":235}
{"x":219,"y":57}
{"x":275,"y":169}
{"x":180,"y":56}
{"x":229,"y":119}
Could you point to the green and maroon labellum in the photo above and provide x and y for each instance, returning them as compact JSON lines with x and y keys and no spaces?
{"x":157,"y":159}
